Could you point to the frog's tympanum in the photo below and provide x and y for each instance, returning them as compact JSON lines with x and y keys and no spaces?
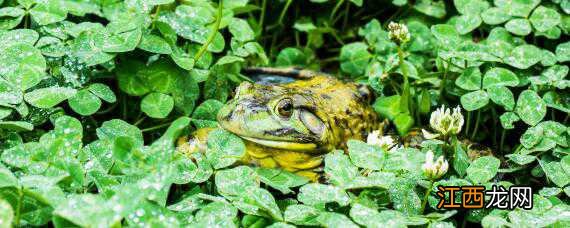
{"x":293,"y":125}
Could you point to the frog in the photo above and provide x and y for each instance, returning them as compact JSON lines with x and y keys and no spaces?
{"x":293,"y":125}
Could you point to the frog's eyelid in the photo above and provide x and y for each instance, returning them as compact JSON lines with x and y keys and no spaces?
{"x":312,"y":122}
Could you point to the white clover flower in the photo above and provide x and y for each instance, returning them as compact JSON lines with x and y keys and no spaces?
{"x":386,"y":141}
{"x":434,"y":169}
{"x":398,"y":33}
{"x":445,"y":122}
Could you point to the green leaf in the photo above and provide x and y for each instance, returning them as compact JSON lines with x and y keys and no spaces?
{"x":157,"y":105}
{"x":354,"y":58}
{"x":182,"y":58}
{"x":280,"y":179}
{"x":431,"y":8}
{"x":483,"y":169}
{"x":113,"y":129}
{"x":524,"y":56}
{"x":259,"y":201}
{"x":302,"y":215}
{"x":405,"y":199}
{"x":532,"y":136}
{"x":556,"y":173}
{"x":499,"y":76}
{"x":216,"y":214}
{"x":507,"y":120}
{"x":232,"y":4}
{"x":495,"y":16}
{"x":446,"y":34}
{"x":519,"y":8}
{"x":369,"y":217}
{"x":474,"y":100}
{"x":544,"y":18}
{"x":83,"y":47}
{"x":470,"y":79}
{"x":366,"y":156}
{"x":48,"y":12}
{"x":460,"y":160}
{"x":234,"y":182}
{"x":19,"y":36}
{"x":49,"y":97}
{"x":312,"y":194}
{"x":521,"y":159}
{"x":565,"y":163}
{"x":154,"y":44}
{"x":467,"y":23}
{"x":22,"y":64}
{"x":10,"y":17}
{"x":86,"y":210}
{"x":7,"y":178}
{"x":404,"y":123}
{"x":85,"y":103}
{"x":388,"y":107}
{"x":520,"y":27}
{"x":470,"y":6}
{"x":530,"y":107}
{"x":6,"y":214}
{"x":502,"y":96}
{"x":563,"y":52}
{"x":332,"y":219}
{"x":16,"y":125}
{"x":241,"y":30}
{"x":103,"y":91}
{"x":339,"y":168}
{"x":224,"y":148}
{"x":291,"y":57}
{"x":205,"y":115}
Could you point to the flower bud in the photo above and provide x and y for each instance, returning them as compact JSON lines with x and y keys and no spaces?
{"x":434,"y":169}
{"x":398,"y":33}
{"x":386,"y":141}
{"x":445,"y":122}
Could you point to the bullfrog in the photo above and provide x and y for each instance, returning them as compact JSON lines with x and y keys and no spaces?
{"x":293,"y":125}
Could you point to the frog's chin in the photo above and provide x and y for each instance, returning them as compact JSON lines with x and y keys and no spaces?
{"x":287,"y":145}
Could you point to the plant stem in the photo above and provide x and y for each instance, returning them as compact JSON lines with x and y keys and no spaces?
{"x":213,"y":35}
{"x":503,"y":134}
{"x":156,"y":127}
{"x":155,"y":16}
{"x":424,"y":202}
{"x":442,"y":85}
{"x":19,"y":207}
{"x":139,"y":121}
{"x":262,"y":16}
{"x":468,"y":123}
{"x":26,"y":20}
{"x":345,"y":20}
{"x":476,"y":124}
{"x":406,"y":89}
{"x":282,"y":15}
{"x":336,"y":7}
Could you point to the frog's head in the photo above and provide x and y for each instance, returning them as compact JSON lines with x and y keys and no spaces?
{"x":275,"y":117}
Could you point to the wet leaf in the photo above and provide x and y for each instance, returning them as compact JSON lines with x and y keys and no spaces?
{"x":530,"y":107}
{"x":474,"y":100}
{"x":157,"y":105}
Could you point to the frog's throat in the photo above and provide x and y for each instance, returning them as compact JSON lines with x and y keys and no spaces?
{"x":295,"y":146}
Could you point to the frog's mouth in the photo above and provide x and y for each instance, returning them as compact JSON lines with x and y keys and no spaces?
{"x":289,"y":145}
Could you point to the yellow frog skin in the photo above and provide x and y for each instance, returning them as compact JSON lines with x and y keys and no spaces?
{"x":291,"y":126}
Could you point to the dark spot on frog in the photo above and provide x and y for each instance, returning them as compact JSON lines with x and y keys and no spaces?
{"x":325,"y":96}
{"x":281,"y":131}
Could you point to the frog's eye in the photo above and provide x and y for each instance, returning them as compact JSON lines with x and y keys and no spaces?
{"x":312,"y":122}
{"x":285,"y":108}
